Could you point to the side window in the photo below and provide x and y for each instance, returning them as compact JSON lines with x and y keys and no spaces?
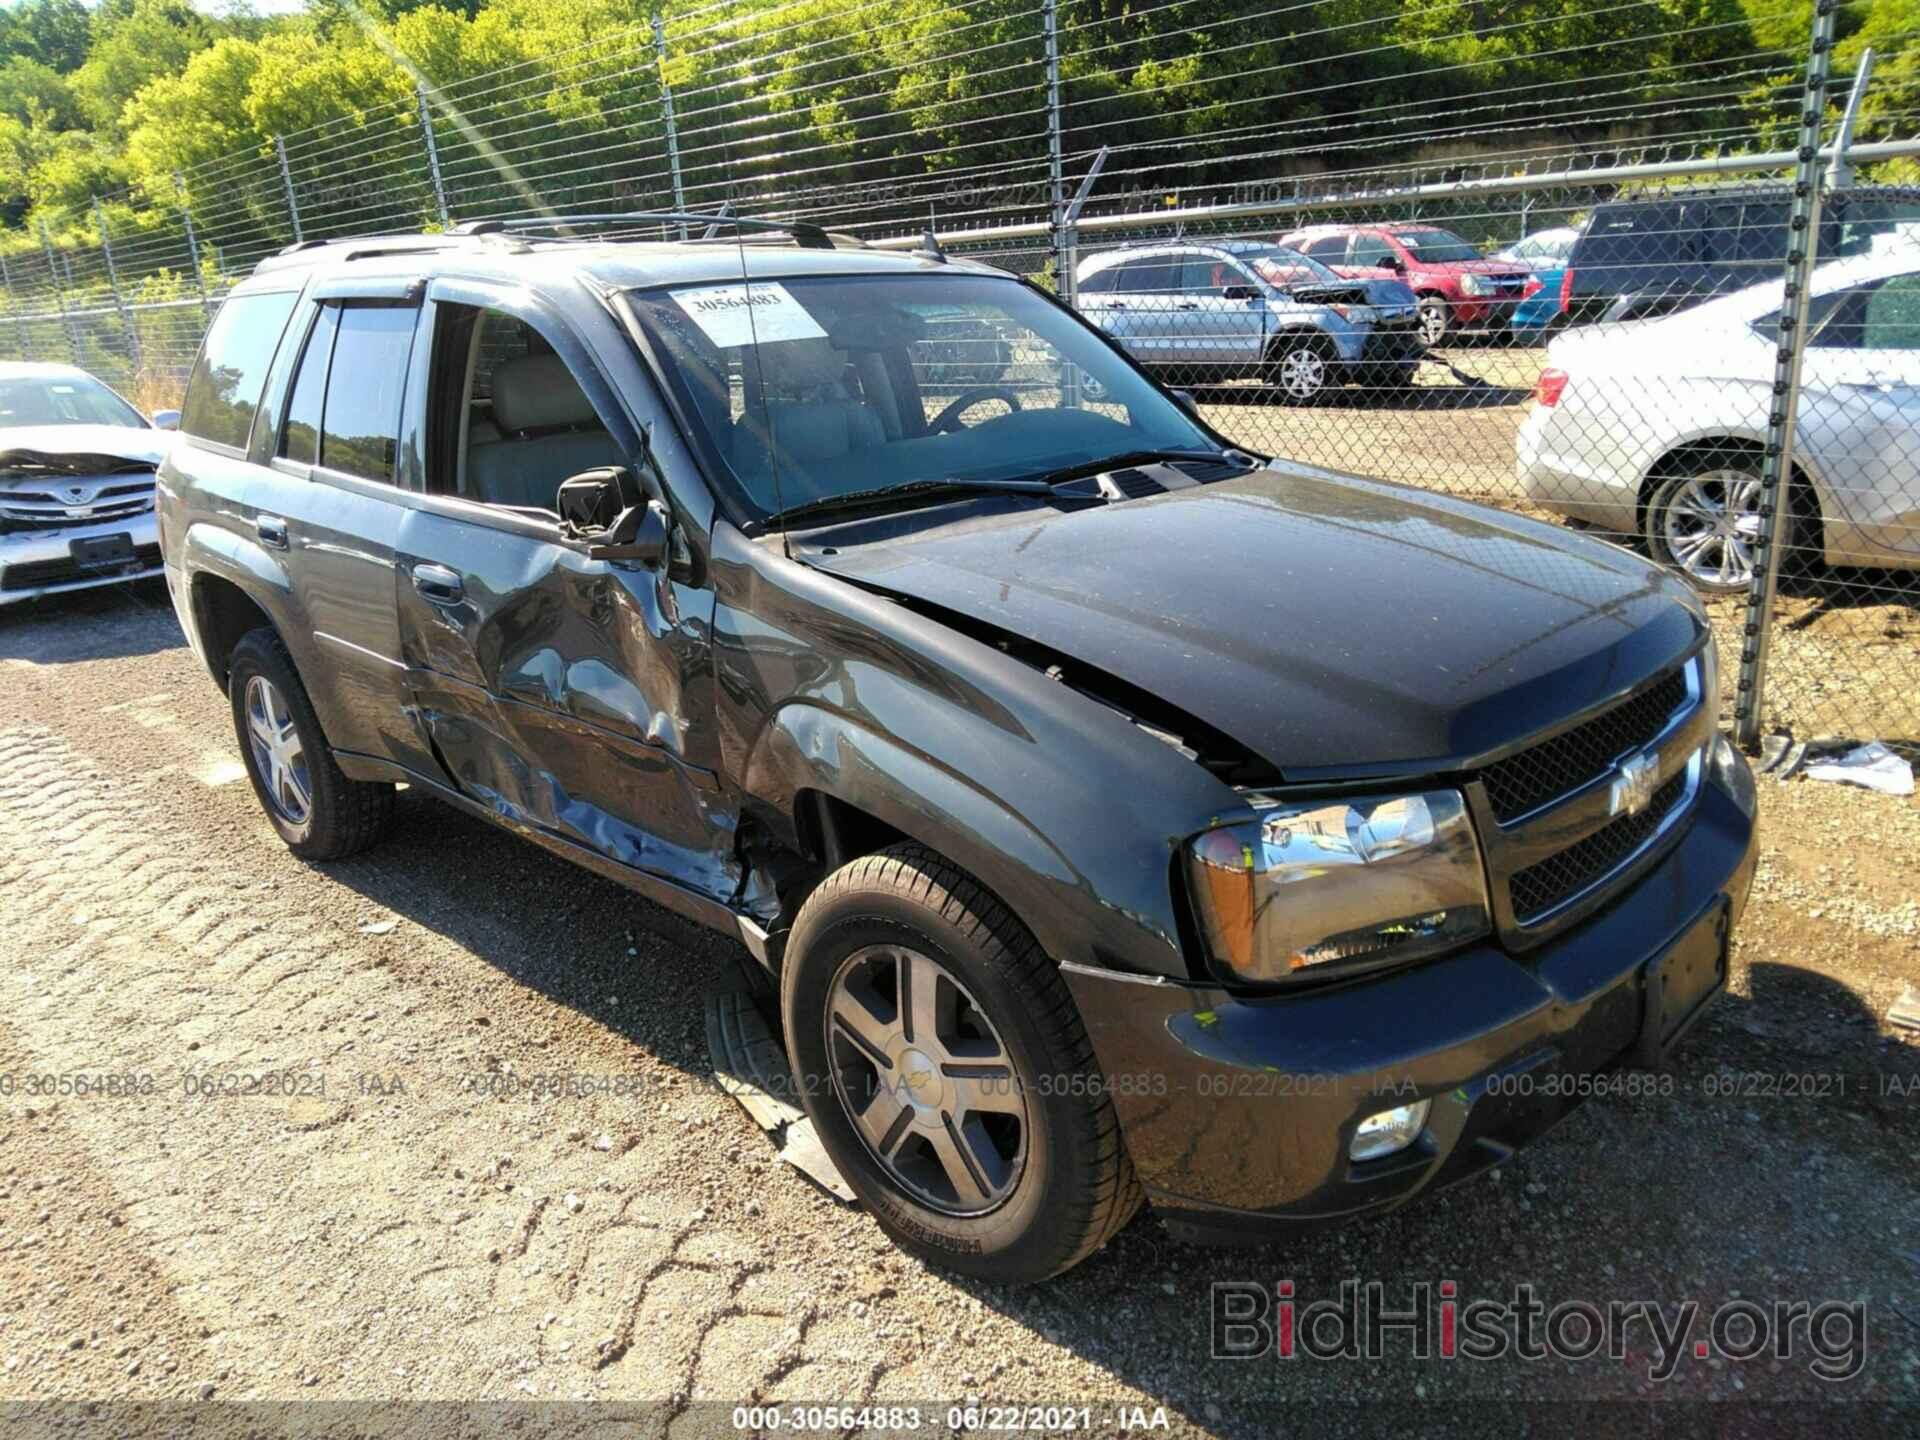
{"x":1893,"y":315}
{"x":360,"y":427}
{"x":1763,"y":233}
{"x":1370,"y":250}
{"x":507,"y":419}
{"x":300,"y":440}
{"x":224,"y":390}
{"x":1210,"y":274}
{"x":1098,"y":283}
{"x":1138,"y":277}
{"x":1329,"y":249}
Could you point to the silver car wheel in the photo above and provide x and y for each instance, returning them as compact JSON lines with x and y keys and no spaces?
{"x":1303,"y":373}
{"x":1708,"y":524}
{"x":925,"y":1079}
{"x":278,"y":756}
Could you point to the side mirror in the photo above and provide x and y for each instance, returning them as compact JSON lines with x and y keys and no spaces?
{"x":1240,"y":292}
{"x":166,"y":419}
{"x":1185,"y":400}
{"x":1395,"y":264}
{"x":603,"y":511}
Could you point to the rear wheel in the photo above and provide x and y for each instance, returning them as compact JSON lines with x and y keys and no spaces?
{"x":948,"y":1074}
{"x":1703,"y":519}
{"x":319,"y":812}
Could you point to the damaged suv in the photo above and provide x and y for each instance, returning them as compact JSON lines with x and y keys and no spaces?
{"x":1113,"y":812}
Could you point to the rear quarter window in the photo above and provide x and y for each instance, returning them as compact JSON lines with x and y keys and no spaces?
{"x":223,"y":391}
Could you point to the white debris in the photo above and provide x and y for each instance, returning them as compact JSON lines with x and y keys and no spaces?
{"x":1872,"y":765}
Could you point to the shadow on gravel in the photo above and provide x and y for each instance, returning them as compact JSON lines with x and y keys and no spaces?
{"x":111,"y":623}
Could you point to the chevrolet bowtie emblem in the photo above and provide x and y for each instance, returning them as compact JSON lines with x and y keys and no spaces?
{"x":1633,"y":784}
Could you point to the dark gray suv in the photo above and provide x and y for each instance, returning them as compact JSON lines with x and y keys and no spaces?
{"x":1108,"y":810}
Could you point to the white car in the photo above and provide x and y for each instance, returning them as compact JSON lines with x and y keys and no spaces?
{"x":1657,"y":428}
{"x":77,"y":469}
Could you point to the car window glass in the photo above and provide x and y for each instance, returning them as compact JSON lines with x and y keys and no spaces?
{"x":1098,"y":283}
{"x":1437,"y":247}
{"x":300,"y":438}
{"x":1147,"y":276}
{"x":1370,"y":250}
{"x":63,"y":399}
{"x":224,"y":389}
{"x":1763,"y":233}
{"x":361,"y":425}
{"x":1331,"y":249}
{"x":1210,"y":274}
{"x":1893,"y":315}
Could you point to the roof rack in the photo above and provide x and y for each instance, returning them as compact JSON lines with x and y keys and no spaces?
{"x":567,"y":227}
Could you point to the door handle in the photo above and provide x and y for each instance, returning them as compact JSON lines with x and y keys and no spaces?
{"x":1189,"y":304}
{"x":272,"y":531}
{"x":1119,"y":305}
{"x":438,"y":584}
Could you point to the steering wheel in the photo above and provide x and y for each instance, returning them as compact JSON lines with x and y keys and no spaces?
{"x":949,"y":418}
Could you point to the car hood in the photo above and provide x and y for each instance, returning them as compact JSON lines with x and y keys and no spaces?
{"x":1474,"y":267}
{"x":1389,"y":292}
{"x":82,"y":449}
{"x":1333,"y":626}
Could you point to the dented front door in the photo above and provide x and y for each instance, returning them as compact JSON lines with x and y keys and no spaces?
{"x":565,"y":694}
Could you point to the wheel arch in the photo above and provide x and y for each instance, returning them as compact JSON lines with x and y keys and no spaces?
{"x":1803,"y":491}
{"x":233,"y":586}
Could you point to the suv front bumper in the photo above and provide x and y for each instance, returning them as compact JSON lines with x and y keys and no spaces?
{"x":55,"y":559}
{"x":1239,"y":1112}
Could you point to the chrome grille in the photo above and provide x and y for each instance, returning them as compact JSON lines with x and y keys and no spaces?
{"x":1540,"y":887}
{"x":46,"y":509}
{"x":1542,"y":773}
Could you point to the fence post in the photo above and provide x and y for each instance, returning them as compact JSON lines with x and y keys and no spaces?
{"x":193,"y":244}
{"x":433,"y":155}
{"x":19,"y":320}
{"x":1056,"y":185}
{"x":1803,"y":244}
{"x":286,"y":184}
{"x":667,"y":118}
{"x":113,"y":279}
{"x":59,"y":292}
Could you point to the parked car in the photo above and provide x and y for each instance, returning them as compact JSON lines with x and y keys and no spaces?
{"x":1458,"y":288}
{"x":1544,"y":253}
{"x":1658,"y":428}
{"x":76,"y":482}
{"x":1112,"y":812}
{"x":1646,"y":255}
{"x":1198,"y":313}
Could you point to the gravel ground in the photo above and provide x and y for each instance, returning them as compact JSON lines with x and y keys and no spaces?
{"x":407,"y":1218}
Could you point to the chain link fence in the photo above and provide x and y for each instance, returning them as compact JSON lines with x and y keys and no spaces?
{"x":1557,"y":264}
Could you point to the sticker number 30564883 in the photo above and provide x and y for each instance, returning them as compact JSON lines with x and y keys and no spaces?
{"x":742,"y":314}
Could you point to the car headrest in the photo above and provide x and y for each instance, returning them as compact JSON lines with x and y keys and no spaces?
{"x":538,"y":392}
{"x":797,"y":367}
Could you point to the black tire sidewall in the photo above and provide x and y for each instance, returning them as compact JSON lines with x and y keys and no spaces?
{"x":1015,"y":1240}
{"x":261,"y":653}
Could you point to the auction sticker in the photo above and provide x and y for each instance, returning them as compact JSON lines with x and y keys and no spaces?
{"x":742,"y":314}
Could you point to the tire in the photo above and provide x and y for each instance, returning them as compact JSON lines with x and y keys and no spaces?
{"x":1702,"y":517}
{"x":1042,"y":1177}
{"x":1436,"y":320}
{"x":1300,"y":367}
{"x":340,"y":817}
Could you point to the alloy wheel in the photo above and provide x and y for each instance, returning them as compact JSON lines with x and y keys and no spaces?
{"x":278,"y":755}
{"x":1710,"y":525}
{"x":925,"y":1079}
{"x":1303,"y":373}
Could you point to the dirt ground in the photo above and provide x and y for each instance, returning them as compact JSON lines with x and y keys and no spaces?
{"x":489,"y":1163}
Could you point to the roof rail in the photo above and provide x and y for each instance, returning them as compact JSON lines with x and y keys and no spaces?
{"x":807,"y":236}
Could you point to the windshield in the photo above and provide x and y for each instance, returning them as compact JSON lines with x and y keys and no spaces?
{"x":865,"y":381}
{"x":1436,"y":247}
{"x":1278,"y":265}
{"x":62,"y":400}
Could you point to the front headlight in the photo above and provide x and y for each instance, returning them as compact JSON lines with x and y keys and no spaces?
{"x":1323,"y":886}
{"x":1472,"y":285}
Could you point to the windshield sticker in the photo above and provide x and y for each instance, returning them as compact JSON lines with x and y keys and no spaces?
{"x":734,"y":315}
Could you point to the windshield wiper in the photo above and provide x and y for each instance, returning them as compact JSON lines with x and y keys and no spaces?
{"x":1132,"y":458}
{"x":913,"y":493}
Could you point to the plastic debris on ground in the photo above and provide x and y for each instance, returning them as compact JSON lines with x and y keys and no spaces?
{"x":1872,"y":765}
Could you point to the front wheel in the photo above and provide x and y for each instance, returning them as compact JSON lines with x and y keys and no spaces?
{"x":948,"y":1074}
{"x":1436,"y":319}
{"x":1300,"y":368}
{"x":1704,"y":521}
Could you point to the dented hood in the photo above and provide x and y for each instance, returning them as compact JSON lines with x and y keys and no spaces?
{"x":1333,"y":626}
{"x":82,"y":449}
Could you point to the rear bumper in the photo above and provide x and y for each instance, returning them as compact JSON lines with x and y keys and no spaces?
{"x":42,"y":562}
{"x":1238,"y":1113}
